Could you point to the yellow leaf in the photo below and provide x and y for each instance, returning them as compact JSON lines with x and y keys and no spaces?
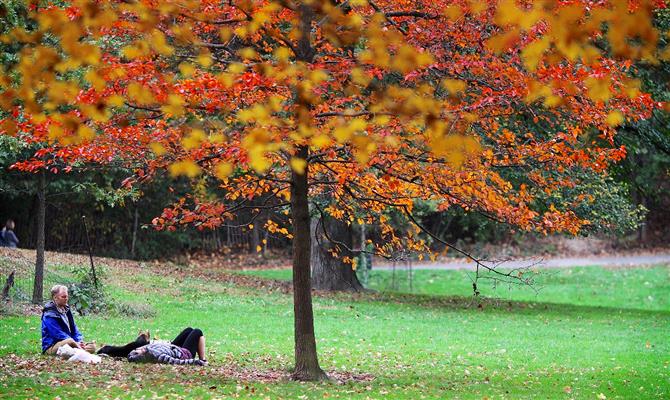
{"x":236,"y":68}
{"x":193,"y":139}
{"x":115,"y":100}
{"x":205,"y":59}
{"x":453,"y":12}
{"x":186,"y":69}
{"x":320,"y":141}
{"x":477,"y":6}
{"x":258,"y":248}
{"x":157,"y":148}
{"x":226,"y":79}
{"x":598,"y":88}
{"x":225,"y":34}
{"x":223,"y":170}
{"x":247,"y":53}
{"x":502,"y":42}
{"x":175,"y":106}
{"x":186,"y":168}
{"x":140,"y":94}
{"x":454,"y":86}
{"x":615,"y":118}
{"x":318,"y":76}
{"x":55,"y":132}
{"x":8,"y":127}
{"x":359,"y":77}
{"x":282,"y":54}
{"x":532,"y":53}
{"x":85,"y":133}
{"x":298,"y":165}
{"x":160,"y":44}
{"x":342,"y":134}
{"x":552,"y":101}
{"x":96,"y":112}
{"x":364,"y":147}
{"x":95,"y":80}
{"x":259,"y":163}
{"x":508,"y":13}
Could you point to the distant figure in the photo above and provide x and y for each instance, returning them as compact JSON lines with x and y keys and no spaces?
{"x":7,"y":236}
{"x":58,"y":327}
{"x":182,"y":351}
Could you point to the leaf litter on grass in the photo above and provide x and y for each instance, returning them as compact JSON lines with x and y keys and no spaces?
{"x":119,"y":373}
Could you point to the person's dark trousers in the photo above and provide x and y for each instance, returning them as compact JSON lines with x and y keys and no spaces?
{"x":188,"y":339}
{"x":123,"y":351}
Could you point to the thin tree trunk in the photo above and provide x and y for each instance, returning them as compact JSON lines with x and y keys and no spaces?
{"x":306,"y":361}
{"x":38,"y":286}
{"x":328,"y":272}
{"x":132,"y":244}
{"x":255,"y":237}
{"x":8,"y":285}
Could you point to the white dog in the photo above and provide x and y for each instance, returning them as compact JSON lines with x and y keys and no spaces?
{"x":76,"y":354}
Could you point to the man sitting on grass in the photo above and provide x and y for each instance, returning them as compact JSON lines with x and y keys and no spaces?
{"x":58,"y":327}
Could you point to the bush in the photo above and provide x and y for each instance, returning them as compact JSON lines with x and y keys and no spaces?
{"x":84,"y":296}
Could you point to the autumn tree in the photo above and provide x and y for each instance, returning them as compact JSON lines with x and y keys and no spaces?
{"x":357,"y":107}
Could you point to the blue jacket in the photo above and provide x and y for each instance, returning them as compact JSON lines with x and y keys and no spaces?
{"x":55,"y":328}
{"x":8,"y":238}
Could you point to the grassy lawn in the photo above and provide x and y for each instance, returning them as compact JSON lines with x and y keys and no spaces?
{"x":588,"y":332}
{"x":633,"y":288}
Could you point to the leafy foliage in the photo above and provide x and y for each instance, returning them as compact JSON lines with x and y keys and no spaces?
{"x":85,"y":297}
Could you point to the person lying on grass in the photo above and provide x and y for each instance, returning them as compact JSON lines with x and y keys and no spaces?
{"x":181,"y":351}
{"x":58,"y":327}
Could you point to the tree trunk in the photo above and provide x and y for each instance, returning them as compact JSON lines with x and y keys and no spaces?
{"x":8,"y":285}
{"x":328,"y":272}
{"x":38,"y":286}
{"x":306,"y":361}
{"x":255,"y":237}
{"x":134,"y":241}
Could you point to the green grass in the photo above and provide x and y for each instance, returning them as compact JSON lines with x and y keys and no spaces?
{"x":588,"y":331}
{"x":632,"y":288}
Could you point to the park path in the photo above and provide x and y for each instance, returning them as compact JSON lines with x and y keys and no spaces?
{"x":538,"y":262}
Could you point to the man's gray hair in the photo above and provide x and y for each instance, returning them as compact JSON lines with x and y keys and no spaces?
{"x":57,"y":289}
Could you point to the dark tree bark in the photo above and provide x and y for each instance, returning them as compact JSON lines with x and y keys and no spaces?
{"x":38,"y":286}
{"x":306,"y":360}
{"x":255,"y":239}
{"x":328,"y":272}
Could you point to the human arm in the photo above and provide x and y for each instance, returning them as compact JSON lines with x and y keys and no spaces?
{"x":78,"y":337}
{"x":53,"y":332}
{"x":11,"y":237}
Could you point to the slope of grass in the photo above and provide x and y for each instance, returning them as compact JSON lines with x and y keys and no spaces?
{"x":589,"y":332}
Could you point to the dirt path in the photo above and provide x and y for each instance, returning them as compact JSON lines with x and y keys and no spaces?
{"x":609,"y":261}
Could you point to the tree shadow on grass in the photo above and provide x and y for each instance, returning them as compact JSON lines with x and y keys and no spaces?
{"x":497,"y":305}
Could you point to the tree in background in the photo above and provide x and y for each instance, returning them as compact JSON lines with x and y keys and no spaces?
{"x":359,"y":107}
{"x":645,"y":170}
